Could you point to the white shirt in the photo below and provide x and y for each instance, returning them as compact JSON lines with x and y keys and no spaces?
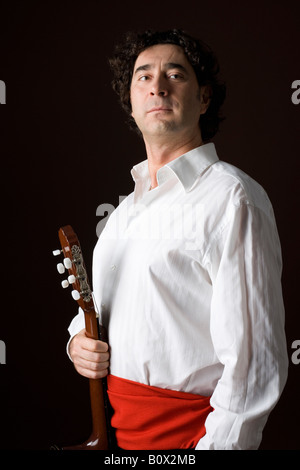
{"x":187,"y":278}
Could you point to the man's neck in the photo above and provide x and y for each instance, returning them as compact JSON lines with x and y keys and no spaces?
{"x":161,"y":153}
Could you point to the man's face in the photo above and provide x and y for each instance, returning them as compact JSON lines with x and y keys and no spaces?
{"x":165,"y":95}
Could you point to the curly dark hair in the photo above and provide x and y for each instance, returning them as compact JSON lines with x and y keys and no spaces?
{"x":198,"y":53}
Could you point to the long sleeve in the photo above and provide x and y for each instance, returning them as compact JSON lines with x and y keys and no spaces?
{"x":247,"y":329}
{"x":77,"y":324}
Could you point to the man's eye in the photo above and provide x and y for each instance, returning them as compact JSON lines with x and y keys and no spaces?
{"x":175,"y":76}
{"x":143,"y":78}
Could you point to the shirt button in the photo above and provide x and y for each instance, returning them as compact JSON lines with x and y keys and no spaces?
{"x":113,"y":267}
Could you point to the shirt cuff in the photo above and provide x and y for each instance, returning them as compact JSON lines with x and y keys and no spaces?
{"x":76,"y":325}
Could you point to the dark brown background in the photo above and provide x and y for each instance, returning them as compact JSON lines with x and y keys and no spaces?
{"x":65,"y":149}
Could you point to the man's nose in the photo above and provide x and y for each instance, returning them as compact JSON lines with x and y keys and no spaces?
{"x":159,"y":87}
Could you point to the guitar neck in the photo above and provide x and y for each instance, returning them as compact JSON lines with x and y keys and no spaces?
{"x":102,"y":437}
{"x":100,"y":406}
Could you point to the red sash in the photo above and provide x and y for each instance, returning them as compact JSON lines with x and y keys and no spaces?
{"x":147,"y":417}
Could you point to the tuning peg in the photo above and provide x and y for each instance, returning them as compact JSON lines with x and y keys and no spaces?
{"x":71,"y":279}
{"x":65,"y":284}
{"x":67,"y":263}
{"x":56,"y":252}
{"x":75,"y":294}
{"x":60,"y":268}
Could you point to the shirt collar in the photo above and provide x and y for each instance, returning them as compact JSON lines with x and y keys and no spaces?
{"x":187,"y":168}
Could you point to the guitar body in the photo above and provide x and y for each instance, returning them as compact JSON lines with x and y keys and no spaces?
{"x":102,"y":436}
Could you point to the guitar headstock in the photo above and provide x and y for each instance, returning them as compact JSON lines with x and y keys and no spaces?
{"x":73,"y":264}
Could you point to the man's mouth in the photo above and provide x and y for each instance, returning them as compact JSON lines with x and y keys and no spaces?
{"x":159,"y":108}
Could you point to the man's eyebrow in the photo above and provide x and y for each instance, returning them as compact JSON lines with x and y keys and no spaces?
{"x":143,"y":67}
{"x":168,"y":66}
{"x":173,"y":65}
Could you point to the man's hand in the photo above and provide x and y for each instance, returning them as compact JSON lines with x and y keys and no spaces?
{"x":90,"y":356}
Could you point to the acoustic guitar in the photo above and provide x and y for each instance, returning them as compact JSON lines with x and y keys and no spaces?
{"x":102,"y":436}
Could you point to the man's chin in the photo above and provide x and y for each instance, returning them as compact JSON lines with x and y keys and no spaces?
{"x":161,"y":126}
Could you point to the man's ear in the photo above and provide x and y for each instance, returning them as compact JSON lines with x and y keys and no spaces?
{"x":205,"y":97}
{"x":131,"y":113}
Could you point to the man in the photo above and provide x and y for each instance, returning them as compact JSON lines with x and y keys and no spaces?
{"x":187,"y":271}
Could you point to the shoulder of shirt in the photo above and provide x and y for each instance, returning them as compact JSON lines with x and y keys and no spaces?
{"x":243,"y":188}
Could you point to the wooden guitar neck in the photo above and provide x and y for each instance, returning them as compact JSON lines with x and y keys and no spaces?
{"x":102,"y":436}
